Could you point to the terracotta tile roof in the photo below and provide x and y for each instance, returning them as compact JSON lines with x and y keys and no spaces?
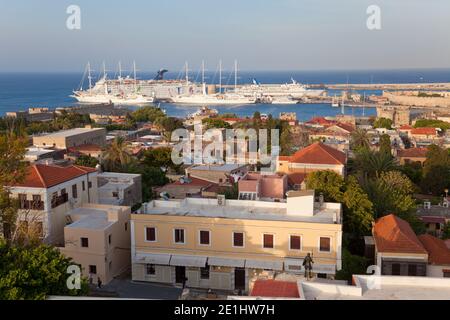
{"x":433,"y":219}
{"x":405,"y":127}
{"x":284,"y":158}
{"x":438,"y":252}
{"x":347,"y":127}
{"x":423,"y":131}
{"x":413,"y":153}
{"x":275,"y":289}
{"x":194,"y":182}
{"x":46,"y":176}
{"x":393,"y":234}
{"x":319,"y":153}
{"x":320,"y":120}
{"x":296,"y":178}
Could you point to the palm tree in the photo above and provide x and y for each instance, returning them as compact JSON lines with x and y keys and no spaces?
{"x":372,"y":164}
{"x":116,"y":156}
{"x":360,"y":139}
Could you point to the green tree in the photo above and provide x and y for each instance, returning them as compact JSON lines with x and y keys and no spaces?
{"x":327,"y":182}
{"x":230,"y":193}
{"x":436,"y":171}
{"x":116,"y":156}
{"x":358,"y":209}
{"x":372,"y":164}
{"x":211,"y":123}
{"x":383,"y":123}
{"x":351,"y":264}
{"x":33,"y":273}
{"x":359,"y":140}
{"x":12,"y":171}
{"x":446,"y":231}
{"x":86,"y":161}
{"x":160,"y":158}
{"x":148,"y":113}
{"x":385,"y":144}
{"x":430,"y":123}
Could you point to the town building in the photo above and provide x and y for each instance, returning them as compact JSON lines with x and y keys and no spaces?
{"x":223,"y":244}
{"x":37,"y":154}
{"x":65,"y":139}
{"x":412,"y":155}
{"x":399,"y":115}
{"x":219,"y":174}
{"x":400,"y":252}
{"x":316,"y":157}
{"x":97,"y":237}
{"x":49,"y":192}
{"x":121,"y":189}
{"x":257,"y":186}
{"x":186,"y":187}
{"x":90,"y":150}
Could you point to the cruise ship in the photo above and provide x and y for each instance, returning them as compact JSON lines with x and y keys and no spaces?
{"x":130,"y":90}
{"x":294,"y":90}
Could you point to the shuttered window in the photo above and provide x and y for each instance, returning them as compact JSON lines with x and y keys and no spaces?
{"x":295,"y":243}
{"x":150,"y":234}
{"x":268,"y":241}
{"x":238,"y":239}
{"x":325,"y":244}
{"x":204,"y":237}
{"x":179,"y":235}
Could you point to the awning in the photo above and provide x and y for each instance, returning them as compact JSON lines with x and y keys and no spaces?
{"x":224,"y":262}
{"x":188,"y":261}
{"x":264,"y":264}
{"x":153,"y":258}
{"x":293,"y":265}
{"x":324,"y":268}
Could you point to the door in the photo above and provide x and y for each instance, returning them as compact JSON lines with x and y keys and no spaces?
{"x":239,"y":279}
{"x":180,"y":274}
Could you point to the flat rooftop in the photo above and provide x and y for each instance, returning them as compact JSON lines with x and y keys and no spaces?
{"x":240,"y":209}
{"x":89,"y":218}
{"x":71,"y":132}
{"x":220,"y":168}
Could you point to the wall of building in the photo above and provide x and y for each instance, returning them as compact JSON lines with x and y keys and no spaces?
{"x":95,"y":136}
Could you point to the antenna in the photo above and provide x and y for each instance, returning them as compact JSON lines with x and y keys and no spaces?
{"x":120,"y":70}
{"x":235,"y":74}
{"x":203,"y":71}
{"x":134,"y":74}
{"x":89,"y":75}
{"x":104,"y":70}
{"x":220,"y":76}
{"x":187,"y":73}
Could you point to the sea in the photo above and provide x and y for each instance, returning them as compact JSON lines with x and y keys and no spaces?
{"x":19,"y":91}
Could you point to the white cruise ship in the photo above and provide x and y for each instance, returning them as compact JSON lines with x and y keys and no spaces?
{"x":294,"y":89}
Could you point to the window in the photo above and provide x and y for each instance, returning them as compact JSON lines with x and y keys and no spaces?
{"x":109,"y":239}
{"x":179,"y":235}
{"x":325,"y":244}
{"x":63,"y":191}
{"x":295,"y":243}
{"x":238,"y":239}
{"x":110,"y":266}
{"x":23,"y":201}
{"x":74,"y":191}
{"x":126,"y":226}
{"x":83,"y":186}
{"x":85,"y":242}
{"x":395,"y":269}
{"x":151,"y":270}
{"x":115,"y":194}
{"x":89,"y":184}
{"x":204,"y":237}
{"x":204,"y":273}
{"x":93,"y":269}
{"x":412,"y":270}
{"x":446,"y":273}
{"x":150,"y":234}
{"x":268,"y":241}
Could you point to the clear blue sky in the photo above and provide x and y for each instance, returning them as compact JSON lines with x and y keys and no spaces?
{"x":261,"y":34}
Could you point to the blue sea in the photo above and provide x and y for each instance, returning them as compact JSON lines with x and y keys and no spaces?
{"x":19,"y":91}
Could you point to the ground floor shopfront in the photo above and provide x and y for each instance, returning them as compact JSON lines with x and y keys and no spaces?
{"x":216,"y":273}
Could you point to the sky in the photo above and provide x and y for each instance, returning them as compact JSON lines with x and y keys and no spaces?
{"x":261,"y":34}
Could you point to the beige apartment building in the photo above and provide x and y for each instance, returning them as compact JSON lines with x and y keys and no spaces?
{"x":71,"y":138}
{"x":225,"y":244}
{"x":97,"y":237}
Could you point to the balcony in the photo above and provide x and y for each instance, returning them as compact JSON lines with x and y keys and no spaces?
{"x":31,"y":205}
{"x":57,"y":201}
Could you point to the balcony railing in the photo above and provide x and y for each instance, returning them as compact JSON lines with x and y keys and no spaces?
{"x":31,"y":205}
{"x":57,"y":201}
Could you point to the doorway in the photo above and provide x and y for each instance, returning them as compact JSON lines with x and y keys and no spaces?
{"x":239,"y":279}
{"x":180,"y":274}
